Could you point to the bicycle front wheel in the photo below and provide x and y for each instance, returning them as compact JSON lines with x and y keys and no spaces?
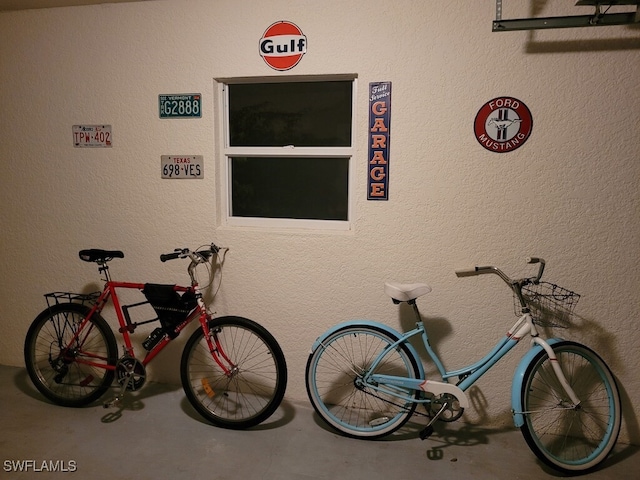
{"x":253,"y":386}
{"x":566,"y":437}
{"x":70,"y":370}
{"x":335,"y":382}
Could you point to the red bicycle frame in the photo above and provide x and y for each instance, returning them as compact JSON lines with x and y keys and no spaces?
{"x":126,"y":328}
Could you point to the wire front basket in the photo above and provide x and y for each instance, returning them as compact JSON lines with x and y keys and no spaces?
{"x":550,"y":304}
{"x":56,"y":298}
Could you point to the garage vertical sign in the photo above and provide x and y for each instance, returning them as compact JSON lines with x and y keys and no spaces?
{"x":379,"y":130}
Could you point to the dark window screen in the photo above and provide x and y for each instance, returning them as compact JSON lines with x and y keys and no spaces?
{"x":303,"y":114}
{"x":290,"y":187}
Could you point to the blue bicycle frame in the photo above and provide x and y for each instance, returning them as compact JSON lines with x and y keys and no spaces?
{"x":403,"y":387}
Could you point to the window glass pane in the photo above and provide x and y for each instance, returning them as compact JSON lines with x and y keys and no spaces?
{"x":303,"y":114}
{"x":290,"y":187}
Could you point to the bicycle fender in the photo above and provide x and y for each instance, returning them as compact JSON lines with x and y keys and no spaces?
{"x":518,"y":379}
{"x":368,"y":323}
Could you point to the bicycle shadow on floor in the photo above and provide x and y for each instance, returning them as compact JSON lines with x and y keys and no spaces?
{"x":445,"y":434}
{"x":460,"y":434}
{"x":479,"y":432}
{"x":132,"y":401}
{"x":283,"y":415}
{"x":405,"y":433}
{"x":23,"y":384}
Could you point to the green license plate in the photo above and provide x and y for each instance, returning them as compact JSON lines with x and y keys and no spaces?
{"x":180,"y":105}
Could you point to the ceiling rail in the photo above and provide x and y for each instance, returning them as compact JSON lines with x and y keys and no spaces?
{"x":598,"y":19}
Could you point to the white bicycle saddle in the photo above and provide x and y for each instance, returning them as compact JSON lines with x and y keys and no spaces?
{"x":404,"y":292}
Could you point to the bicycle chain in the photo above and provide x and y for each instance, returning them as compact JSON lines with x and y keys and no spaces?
{"x":402,"y":407}
{"x":396,"y":404}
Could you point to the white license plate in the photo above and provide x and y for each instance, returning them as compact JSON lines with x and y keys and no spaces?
{"x":182,"y":166}
{"x":92,"y":136}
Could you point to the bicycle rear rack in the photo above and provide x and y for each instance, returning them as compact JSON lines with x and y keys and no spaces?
{"x":56,"y":298}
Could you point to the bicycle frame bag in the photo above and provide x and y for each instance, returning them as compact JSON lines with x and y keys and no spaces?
{"x":171,"y":307}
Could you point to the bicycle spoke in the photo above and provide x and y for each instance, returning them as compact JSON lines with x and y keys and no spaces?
{"x":571,"y":437}
{"x":253,"y":384}
{"x":336,"y":373}
{"x":55,"y":356}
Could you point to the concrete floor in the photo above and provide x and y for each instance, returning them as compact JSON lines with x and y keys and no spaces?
{"x":158,"y":435}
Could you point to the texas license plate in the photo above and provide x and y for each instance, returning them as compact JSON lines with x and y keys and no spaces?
{"x":182,"y":166}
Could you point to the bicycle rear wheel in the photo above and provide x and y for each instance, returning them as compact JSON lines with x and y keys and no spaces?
{"x":571,"y":439}
{"x":70,"y":374}
{"x":334,"y":380}
{"x":255,"y":386}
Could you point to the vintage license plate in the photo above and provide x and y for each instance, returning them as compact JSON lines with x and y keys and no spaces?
{"x":182,"y":166}
{"x":180,"y":105}
{"x":92,"y":136}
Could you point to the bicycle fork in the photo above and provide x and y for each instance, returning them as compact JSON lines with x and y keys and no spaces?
{"x":219,"y":356}
{"x":558,"y":371}
{"x":539,"y":345}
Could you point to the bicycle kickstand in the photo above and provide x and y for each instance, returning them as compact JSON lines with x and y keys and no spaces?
{"x":428,"y":430}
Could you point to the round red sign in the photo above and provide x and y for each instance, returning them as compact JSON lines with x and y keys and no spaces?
{"x":503,"y":124}
{"x":282,"y":45}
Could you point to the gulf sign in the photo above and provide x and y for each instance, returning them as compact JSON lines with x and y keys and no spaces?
{"x":282,"y":45}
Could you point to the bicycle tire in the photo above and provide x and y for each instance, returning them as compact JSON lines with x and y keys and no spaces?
{"x":571,"y":439}
{"x":255,"y":389}
{"x":333,"y":374}
{"x":55,"y":372}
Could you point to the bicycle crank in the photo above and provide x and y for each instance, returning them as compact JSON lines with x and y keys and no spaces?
{"x":428,"y":430}
{"x":130,"y":373}
{"x":451,"y":412}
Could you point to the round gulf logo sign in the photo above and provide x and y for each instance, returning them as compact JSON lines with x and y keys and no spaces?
{"x":503,"y":124}
{"x":282,"y":45}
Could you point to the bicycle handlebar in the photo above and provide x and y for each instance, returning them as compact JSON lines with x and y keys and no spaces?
{"x":468,"y":272}
{"x":197,"y":256}
{"x":540,"y":269}
{"x":169,"y":256}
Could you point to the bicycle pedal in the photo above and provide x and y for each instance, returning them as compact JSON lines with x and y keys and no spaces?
{"x":426,"y":432}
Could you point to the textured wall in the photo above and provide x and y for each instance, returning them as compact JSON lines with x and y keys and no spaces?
{"x":570,"y":194}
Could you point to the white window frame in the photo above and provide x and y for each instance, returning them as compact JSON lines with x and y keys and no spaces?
{"x":226,"y":152}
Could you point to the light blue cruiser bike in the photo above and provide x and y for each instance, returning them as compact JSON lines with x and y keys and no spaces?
{"x":365,"y":379}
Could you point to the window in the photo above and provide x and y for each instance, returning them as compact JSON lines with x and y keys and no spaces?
{"x":288,"y":151}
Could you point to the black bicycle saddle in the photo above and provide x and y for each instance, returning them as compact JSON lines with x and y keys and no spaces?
{"x":98,"y":255}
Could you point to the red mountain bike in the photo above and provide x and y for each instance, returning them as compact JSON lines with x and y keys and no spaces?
{"x":232,"y":369}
